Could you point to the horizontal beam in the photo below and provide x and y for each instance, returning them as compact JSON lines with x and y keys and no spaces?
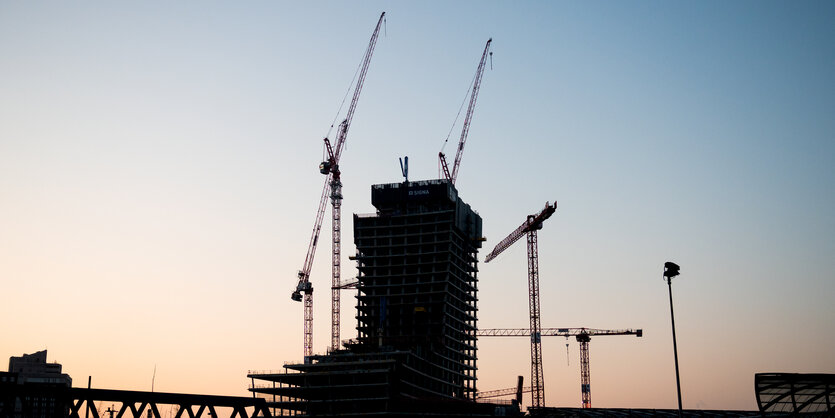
{"x":555,"y":332}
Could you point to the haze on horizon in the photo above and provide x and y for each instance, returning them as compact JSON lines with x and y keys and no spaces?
{"x":158,"y":182}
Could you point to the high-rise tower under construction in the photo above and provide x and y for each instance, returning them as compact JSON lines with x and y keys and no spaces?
{"x":418,"y":280}
{"x":417,"y":287}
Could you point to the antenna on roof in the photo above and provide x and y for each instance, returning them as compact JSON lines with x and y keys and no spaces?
{"x":404,"y":168}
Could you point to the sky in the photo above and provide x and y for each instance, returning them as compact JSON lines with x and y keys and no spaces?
{"x":159,"y":182}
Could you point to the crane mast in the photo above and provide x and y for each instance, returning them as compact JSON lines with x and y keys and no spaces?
{"x":332,"y":190}
{"x":531,"y":225}
{"x":451,"y":176}
{"x":583,"y":336}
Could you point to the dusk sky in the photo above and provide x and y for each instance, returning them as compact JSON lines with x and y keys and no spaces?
{"x":159,"y":182}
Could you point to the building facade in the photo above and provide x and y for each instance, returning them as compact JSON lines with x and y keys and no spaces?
{"x":418,"y":283}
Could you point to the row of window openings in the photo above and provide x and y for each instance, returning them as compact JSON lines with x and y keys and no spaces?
{"x":423,"y":218}
{"x":368,"y":282}
{"x":417,"y":258}
{"x":391,"y":285}
{"x":440,"y":214}
{"x":380,"y":247}
{"x":371,"y":323}
{"x":408,"y":324}
{"x":451,"y":369}
{"x":369,"y":269}
{"x":369,"y":319}
{"x":411,"y":297}
{"x":432,"y":272}
{"x":419,"y":303}
{"x":395,"y":285}
{"x":414,"y":229}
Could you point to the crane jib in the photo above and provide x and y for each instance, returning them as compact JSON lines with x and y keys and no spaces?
{"x":331,"y":169}
{"x":448,"y":174}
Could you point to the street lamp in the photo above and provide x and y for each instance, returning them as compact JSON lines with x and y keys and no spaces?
{"x":670,"y":271}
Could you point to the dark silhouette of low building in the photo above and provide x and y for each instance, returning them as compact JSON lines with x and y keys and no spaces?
{"x":41,"y":379}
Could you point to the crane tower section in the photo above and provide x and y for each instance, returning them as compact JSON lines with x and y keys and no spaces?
{"x":532,"y":224}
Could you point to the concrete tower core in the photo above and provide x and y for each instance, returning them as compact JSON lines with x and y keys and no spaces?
{"x":417,"y":283}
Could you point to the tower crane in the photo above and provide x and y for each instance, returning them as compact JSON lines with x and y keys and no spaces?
{"x":583,"y":336}
{"x":532,"y":224}
{"x":332,"y":190}
{"x":451,"y":175}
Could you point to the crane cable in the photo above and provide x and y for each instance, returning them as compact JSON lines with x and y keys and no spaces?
{"x":348,"y":92}
{"x":466,"y":95}
{"x":472,"y":84}
{"x":344,"y":98}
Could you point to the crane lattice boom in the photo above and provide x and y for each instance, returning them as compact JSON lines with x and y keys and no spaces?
{"x":533,"y":222}
{"x":549,"y":332}
{"x":333,"y":190}
{"x":451,"y":176}
{"x":583,"y":336}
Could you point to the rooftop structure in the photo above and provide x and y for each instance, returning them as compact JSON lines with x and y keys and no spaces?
{"x":795,"y":393}
{"x":33,"y":368}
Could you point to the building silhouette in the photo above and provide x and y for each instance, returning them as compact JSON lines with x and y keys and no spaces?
{"x":417,"y":285}
{"x":41,"y":379}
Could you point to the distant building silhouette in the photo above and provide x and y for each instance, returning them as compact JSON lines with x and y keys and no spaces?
{"x":32,"y":370}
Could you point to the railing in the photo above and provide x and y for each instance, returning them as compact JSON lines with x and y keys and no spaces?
{"x":248,"y":372}
{"x":495,"y":401}
{"x":251,"y":387}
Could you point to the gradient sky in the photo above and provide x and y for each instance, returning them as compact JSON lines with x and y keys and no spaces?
{"x":158,"y":182}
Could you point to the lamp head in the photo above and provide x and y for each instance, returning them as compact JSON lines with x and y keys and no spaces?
{"x":670,"y":269}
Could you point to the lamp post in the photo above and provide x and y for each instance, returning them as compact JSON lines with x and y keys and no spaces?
{"x":670,"y":271}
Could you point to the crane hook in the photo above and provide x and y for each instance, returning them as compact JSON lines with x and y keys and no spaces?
{"x":567,"y":355}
